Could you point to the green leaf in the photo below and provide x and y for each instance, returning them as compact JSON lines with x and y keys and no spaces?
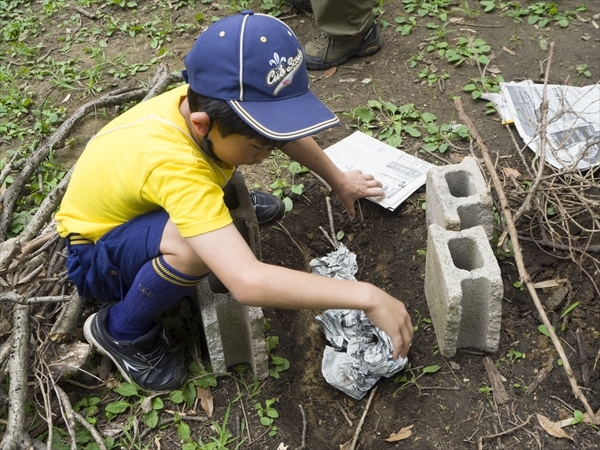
{"x":183,"y":430}
{"x":578,"y":416}
{"x":431,"y":369}
{"x":206,"y":381}
{"x":489,"y":5}
{"x":297,"y":189}
{"x":428,"y":117}
{"x":375,"y":104}
{"x":395,"y":140}
{"x":272,"y":342}
{"x":157,"y":403}
{"x":542,"y":329}
{"x":117,"y":407}
{"x":265,"y":421}
{"x":189,"y":393}
{"x":430,"y":147}
{"x":569,"y":309}
{"x":151,"y":419}
{"x":289,"y":205}
{"x":294,"y":168}
{"x":364,"y":114}
{"x":272,"y":413}
{"x":126,"y":390}
{"x":412,"y":131}
{"x":176,"y":397}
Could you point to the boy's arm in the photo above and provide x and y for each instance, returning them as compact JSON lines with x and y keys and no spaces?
{"x":255,"y":283}
{"x":349,"y":186}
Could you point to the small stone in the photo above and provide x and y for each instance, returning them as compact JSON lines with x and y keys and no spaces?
{"x":557,"y":298}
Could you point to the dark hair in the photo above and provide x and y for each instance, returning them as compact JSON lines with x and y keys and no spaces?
{"x":226,"y":118}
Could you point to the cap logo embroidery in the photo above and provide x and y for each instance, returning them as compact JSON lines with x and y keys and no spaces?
{"x":284,"y":70}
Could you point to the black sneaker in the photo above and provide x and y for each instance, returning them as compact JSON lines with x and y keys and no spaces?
{"x":143,"y":361}
{"x":324,"y":52}
{"x":267,"y":207}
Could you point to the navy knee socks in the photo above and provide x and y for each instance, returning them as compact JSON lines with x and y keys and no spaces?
{"x":156,"y":287}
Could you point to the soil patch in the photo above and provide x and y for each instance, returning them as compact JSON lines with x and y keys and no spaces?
{"x":454,"y":407}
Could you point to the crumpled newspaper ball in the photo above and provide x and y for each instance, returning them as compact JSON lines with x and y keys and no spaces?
{"x":359,"y":353}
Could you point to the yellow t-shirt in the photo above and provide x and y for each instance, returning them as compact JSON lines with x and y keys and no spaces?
{"x":142,"y":161}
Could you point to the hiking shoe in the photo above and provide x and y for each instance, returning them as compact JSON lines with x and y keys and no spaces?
{"x":267,"y":207}
{"x":324,"y":52}
{"x":143,"y":361}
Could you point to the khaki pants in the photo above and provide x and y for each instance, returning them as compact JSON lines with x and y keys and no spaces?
{"x":343,"y":19}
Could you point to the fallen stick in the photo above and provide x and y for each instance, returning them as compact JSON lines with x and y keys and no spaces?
{"x":11,"y":195}
{"x":69,"y":316}
{"x":303,"y":444}
{"x":331,"y":223}
{"x":490,"y":436}
{"x":73,"y":416}
{"x":541,"y":376}
{"x":344,"y":413}
{"x":16,"y":437}
{"x":523,"y":274}
{"x":362,"y":419}
{"x":500,"y":395}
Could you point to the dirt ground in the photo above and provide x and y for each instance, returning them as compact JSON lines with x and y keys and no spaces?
{"x":449,"y":409}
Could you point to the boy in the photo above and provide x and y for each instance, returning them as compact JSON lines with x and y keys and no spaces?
{"x":144,"y":215}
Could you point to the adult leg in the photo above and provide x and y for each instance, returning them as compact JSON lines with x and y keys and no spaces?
{"x":343,"y":20}
{"x":348,"y":30}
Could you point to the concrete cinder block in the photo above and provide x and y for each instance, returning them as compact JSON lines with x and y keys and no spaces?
{"x":464,"y":290}
{"x":458,"y":197}
{"x":234,"y":332}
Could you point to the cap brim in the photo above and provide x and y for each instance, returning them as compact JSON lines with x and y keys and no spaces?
{"x":287,"y":119}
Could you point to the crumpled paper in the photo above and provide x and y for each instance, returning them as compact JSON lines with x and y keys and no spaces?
{"x":359,"y":353}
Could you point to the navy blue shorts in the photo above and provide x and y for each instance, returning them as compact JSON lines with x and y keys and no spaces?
{"x":105,"y":271}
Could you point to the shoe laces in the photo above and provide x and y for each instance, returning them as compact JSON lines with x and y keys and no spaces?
{"x":321,"y":41}
{"x":154,"y":357}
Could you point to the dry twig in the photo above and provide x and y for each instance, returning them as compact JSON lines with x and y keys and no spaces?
{"x":524,"y":275}
{"x":362,"y":419}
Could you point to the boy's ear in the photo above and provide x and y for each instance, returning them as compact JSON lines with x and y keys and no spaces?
{"x":200,"y":121}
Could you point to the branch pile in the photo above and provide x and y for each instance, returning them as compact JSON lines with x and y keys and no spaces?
{"x":557,"y":203}
{"x":34,"y":288}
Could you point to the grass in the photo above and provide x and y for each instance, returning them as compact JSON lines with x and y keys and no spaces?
{"x":56,"y":55}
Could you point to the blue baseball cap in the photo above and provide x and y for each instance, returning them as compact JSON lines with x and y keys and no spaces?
{"x":256,"y":64}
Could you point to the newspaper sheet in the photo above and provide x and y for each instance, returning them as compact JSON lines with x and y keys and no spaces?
{"x":573,"y":118}
{"x":401,"y":173}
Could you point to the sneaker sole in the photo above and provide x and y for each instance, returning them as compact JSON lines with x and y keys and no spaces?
{"x":87,"y":332}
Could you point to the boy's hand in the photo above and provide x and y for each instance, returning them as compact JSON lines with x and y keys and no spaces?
{"x":390,"y":315}
{"x":357,"y":185}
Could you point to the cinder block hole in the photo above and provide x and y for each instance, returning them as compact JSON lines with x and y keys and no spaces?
{"x":469,"y":216}
{"x":460,"y":183}
{"x":235,"y":335}
{"x":465,"y":253}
